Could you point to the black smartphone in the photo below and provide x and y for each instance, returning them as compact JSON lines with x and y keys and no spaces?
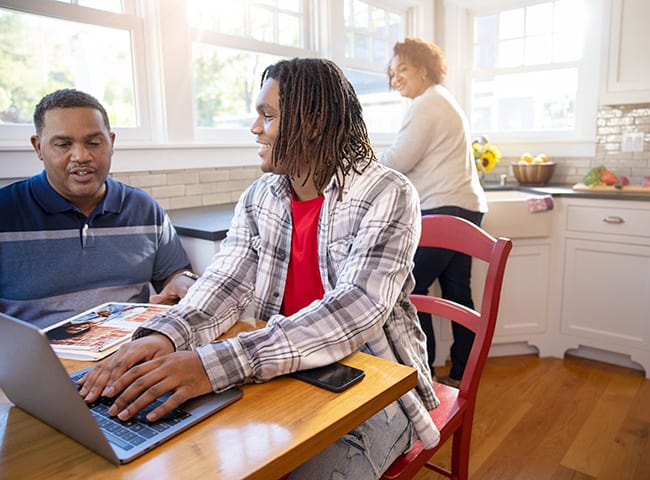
{"x":335,"y":377}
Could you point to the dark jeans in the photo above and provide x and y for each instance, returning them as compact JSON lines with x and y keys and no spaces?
{"x":453,"y":271}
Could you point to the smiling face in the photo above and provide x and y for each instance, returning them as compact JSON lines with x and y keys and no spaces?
{"x":407,"y":79}
{"x":266,"y":129}
{"x":267,"y":125}
{"x":76,"y":149}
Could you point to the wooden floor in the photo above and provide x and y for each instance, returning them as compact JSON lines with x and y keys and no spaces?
{"x":548,"y":418}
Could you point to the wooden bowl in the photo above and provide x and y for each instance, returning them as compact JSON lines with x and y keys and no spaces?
{"x":533,"y":174}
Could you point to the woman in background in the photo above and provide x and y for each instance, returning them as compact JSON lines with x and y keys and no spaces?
{"x":433,"y":149}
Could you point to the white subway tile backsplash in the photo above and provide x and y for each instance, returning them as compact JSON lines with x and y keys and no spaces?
{"x":202,"y":188}
{"x":185,"y":202}
{"x":208,"y":176}
{"x":192,"y":188}
{"x":168,"y":191}
{"x":183,"y":178}
{"x":143,"y":179}
{"x":218,"y":198}
{"x":627,"y":118}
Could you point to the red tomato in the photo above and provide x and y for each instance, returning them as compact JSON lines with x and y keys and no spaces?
{"x":608,"y":178}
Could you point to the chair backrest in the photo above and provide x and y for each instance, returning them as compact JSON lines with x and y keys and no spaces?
{"x":455,"y":233}
{"x":454,"y":416}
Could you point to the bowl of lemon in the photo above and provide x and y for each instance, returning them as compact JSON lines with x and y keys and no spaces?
{"x":533,"y":170}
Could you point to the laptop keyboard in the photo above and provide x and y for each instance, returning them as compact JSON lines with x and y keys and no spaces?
{"x":137,"y":430}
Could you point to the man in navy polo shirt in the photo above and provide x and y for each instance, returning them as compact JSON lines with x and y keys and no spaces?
{"x":71,"y":237}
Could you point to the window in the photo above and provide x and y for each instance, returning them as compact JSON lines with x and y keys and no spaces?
{"x":370,"y":33}
{"x":226,"y":84}
{"x":230,"y":49}
{"x":107,"y":5}
{"x":198,"y":83}
{"x":41,"y":53}
{"x":530,"y":72}
{"x":274,"y":21}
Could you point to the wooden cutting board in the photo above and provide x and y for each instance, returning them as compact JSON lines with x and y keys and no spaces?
{"x":581,"y":187}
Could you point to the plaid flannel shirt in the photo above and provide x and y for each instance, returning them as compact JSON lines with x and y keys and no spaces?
{"x":366,"y":244}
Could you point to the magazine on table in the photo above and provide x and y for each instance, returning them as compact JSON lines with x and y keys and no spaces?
{"x":99,"y":331}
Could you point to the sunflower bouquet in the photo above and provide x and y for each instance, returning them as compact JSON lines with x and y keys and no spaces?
{"x":486,"y":155}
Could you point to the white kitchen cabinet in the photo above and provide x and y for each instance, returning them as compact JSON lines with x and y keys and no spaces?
{"x":200,"y":251}
{"x":626,"y":71}
{"x":605,"y":298}
{"x":523,"y":310}
{"x":201,"y":230}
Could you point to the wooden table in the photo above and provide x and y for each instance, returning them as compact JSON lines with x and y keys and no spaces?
{"x":275,"y":427}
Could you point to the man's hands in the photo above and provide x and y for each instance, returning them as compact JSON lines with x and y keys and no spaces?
{"x":175,"y":288}
{"x":143,"y":370}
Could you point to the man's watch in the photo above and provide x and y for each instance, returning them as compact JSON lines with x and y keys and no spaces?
{"x":190,"y":274}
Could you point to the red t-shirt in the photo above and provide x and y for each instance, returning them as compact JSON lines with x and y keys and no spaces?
{"x":304,"y":284}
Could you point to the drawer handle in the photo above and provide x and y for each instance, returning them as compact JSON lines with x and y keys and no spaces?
{"x":614,"y":219}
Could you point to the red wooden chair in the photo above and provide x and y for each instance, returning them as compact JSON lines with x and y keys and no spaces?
{"x":454,"y":416}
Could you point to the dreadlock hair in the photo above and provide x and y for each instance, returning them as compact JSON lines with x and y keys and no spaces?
{"x":66,"y":98}
{"x":421,"y":54}
{"x":321,"y":122}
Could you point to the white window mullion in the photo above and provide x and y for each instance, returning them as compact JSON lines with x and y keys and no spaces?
{"x":541,"y":93}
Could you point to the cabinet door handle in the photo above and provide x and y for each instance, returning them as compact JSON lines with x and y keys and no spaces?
{"x":613,"y":219}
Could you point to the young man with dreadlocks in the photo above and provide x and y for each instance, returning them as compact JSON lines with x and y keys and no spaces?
{"x":322,"y":247}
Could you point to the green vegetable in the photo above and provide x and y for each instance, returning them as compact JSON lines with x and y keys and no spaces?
{"x":592,"y":179}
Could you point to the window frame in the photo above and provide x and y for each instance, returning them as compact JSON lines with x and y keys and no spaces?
{"x":577,"y":142}
{"x":129,"y":22}
{"x":239,"y":136}
{"x":166,"y":114}
{"x":418,"y":16}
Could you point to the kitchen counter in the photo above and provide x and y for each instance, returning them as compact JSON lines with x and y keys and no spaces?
{"x":212,"y":222}
{"x":207,"y":223}
{"x":564,"y":190}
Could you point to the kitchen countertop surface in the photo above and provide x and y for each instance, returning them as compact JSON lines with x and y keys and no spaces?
{"x":207,"y":223}
{"x":212,"y":222}
{"x":564,"y":190}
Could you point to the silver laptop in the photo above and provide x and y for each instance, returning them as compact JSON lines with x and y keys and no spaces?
{"x":30,"y":372}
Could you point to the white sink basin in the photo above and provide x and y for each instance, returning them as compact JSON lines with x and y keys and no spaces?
{"x":508,"y":195}
{"x":508,"y":215}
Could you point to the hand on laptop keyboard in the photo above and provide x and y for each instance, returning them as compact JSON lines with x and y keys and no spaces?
{"x":143,"y":370}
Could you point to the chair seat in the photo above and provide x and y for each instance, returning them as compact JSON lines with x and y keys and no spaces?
{"x":449,"y":406}
{"x":446,"y":417}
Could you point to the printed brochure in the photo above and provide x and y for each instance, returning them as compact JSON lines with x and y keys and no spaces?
{"x":98,"y":332}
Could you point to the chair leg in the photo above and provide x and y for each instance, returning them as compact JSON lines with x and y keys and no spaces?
{"x":460,"y":450}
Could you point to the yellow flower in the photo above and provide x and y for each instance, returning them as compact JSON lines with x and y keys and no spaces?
{"x":486,"y":155}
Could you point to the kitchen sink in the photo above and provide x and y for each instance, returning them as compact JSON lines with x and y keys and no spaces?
{"x":509,"y":215}
{"x":508,"y":195}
